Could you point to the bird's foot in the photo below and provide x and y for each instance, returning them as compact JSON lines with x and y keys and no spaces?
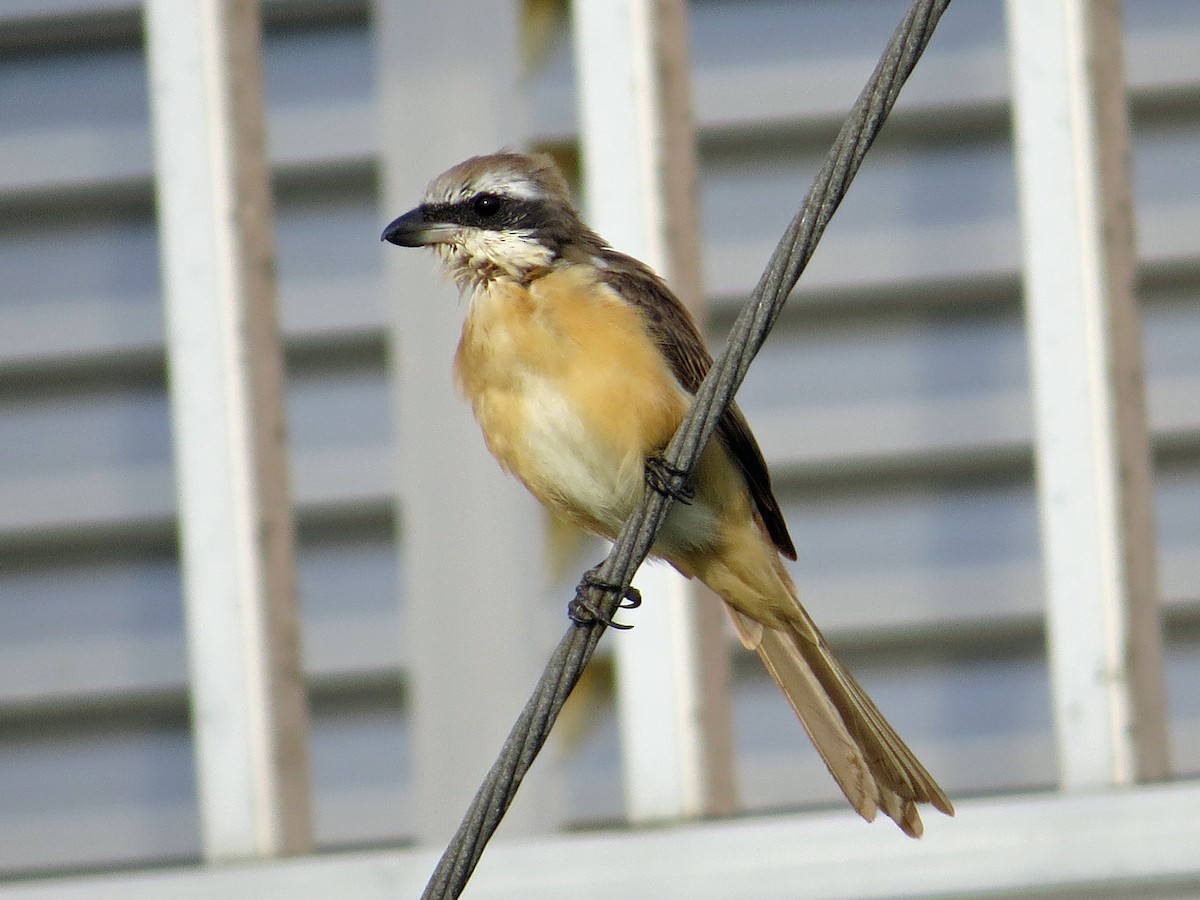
{"x":664,"y":478}
{"x":583,"y":608}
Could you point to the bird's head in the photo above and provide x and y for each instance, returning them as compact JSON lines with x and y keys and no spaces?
{"x":506,"y":215}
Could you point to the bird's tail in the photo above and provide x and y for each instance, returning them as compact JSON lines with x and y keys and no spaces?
{"x":872,"y":765}
{"x":869,"y":761}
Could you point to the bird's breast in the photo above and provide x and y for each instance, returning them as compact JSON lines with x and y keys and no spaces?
{"x":571,"y":392}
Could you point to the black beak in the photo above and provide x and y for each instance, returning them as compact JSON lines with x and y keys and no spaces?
{"x":413,"y":229}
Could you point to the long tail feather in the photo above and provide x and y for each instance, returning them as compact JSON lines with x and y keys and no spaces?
{"x":869,"y":761}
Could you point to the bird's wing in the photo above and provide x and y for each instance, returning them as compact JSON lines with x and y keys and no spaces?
{"x":673,"y":328}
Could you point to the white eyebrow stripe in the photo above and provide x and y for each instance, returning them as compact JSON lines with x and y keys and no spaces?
{"x":504,"y":183}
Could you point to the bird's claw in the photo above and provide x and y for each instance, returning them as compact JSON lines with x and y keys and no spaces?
{"x":584,"y":610}
{"x":670,"y":481}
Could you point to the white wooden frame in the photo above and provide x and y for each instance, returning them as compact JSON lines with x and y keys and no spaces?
{"x":1084,"y":333}
{"x":472,"y":541}
{"x":225,"y":365}
{"x":1117,"y":843}
{"x":639,"y":179}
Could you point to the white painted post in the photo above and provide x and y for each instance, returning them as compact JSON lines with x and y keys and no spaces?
{"x":1093,"y":466}
{"x":639,"y":179}
{"x":226,"y":385}
{"x":472,"y":537}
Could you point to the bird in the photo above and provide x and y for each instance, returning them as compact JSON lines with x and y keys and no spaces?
{"x":579,"y":364}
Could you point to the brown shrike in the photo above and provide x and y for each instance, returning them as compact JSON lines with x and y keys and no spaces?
{"x":580,"y":365}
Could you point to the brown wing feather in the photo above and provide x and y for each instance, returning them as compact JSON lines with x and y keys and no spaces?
{"x":675,"y":331}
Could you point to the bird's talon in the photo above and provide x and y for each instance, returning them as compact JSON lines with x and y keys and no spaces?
{"x":631,"y":599}
{"x":583,"y":610}
{"x":664,"y":478}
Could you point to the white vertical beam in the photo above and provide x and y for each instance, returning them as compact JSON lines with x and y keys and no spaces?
{"x":1094,"y":483}
{"x":639,"y":180}
{"x":472,"y":537}
{"x":226,"y":386}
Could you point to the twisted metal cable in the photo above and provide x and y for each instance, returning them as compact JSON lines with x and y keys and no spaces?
{"x":749,"y":332}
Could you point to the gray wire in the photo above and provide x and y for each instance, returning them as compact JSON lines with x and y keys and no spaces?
{"x":749,"y":332}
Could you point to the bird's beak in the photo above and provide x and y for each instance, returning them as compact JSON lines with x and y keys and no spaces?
{"x":413,"y":229}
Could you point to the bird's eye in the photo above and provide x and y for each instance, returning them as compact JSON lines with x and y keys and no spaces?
{"x":486,"y":205}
